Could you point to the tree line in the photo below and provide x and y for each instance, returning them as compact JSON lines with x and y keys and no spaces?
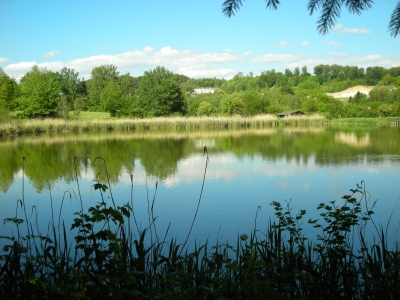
{"x":159,"y":92}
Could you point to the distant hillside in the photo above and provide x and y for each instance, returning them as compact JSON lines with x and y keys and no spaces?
{"x":350,"y":92}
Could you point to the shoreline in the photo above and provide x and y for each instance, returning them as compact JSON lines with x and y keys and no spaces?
{"x":27,"y":127}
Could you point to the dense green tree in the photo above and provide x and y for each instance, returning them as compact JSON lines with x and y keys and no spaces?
{"x":379,"y":94}
{"x":388,"y":80}
{"x":254,"y":102}
{"x":310,"y":84}
{"x":358,"y":98}
{"x":205,"y":109}
{"x":233,"y":104}
{"x":100,"y":78}
{"x":113,"y":100}
{"x":296,"y":71}
{"x":129,"y":84}
{"x":159,"y":94}
{"x":41,"y":90}
{"x":288,"y":73}
{"x":330,"y":11}
{"x":69,"y":84}
{"x":309,"y":105}
{"x":69,"y":92}
{"x":374,"y":74}
{"x":304,"y":71}
{"x":180,"y":78}
{"x":7,"y":91}
{"x":395,"y":71}
{"x":268,"y":78}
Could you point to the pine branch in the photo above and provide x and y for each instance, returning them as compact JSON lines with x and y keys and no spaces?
{"x":330,"y":11}
{"x":358,"y":6}
{"x":394,"y":24}
{"x":273,"y":4}
{"x":229,"y":7}
{"x":314,"y":5}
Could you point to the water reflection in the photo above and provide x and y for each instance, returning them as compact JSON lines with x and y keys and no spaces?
{"x":51,"y":158}
{"x":247,"y":169}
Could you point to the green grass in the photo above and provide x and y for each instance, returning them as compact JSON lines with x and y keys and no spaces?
{"x":111,"y":257}
{"x":365,"y":121}
{"x":92,"y":115}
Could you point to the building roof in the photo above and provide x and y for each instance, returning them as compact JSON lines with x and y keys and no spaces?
{"x":290,"y":112}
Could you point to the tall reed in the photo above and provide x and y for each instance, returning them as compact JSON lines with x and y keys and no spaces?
{"x":165,"y":123}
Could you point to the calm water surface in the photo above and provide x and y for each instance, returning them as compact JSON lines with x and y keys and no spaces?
{"x":247,"y":170}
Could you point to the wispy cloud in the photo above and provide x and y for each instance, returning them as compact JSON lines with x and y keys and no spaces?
{"x":356,"y":31}
{"x":304,"y":44}
{"x":281,"y":44}
{"x":345,"y":30}
{"x":3,"y":60}
{"x":50,"y":54}
{"x":333,"y":44}
{"x":72,"y":42}
{"x":337,"y":27}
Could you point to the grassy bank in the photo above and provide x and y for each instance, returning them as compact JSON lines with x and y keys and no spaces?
{"x":105,"y":253}
{"x":87,"y":124}
{"x":365,"y":121}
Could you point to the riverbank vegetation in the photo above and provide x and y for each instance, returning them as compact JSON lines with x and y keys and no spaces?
{"x":105,"y":253}
{"x":42,"y":93}
{"x":18,"y":127}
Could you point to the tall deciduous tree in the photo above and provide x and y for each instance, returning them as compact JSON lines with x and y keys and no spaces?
{"x":7,"y":91}
{"x":40,"y":90}
{"x":69,"y":84}
{"x":100,"y":78}
{"x":330,"y":11}
{"x":159,"y":94}
{"x":113,"y":99}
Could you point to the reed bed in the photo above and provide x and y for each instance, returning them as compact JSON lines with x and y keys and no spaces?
{"x":111,"y":257}
{"x":167,"y":123}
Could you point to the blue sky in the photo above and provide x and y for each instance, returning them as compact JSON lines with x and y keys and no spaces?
{"x":190,"y":37}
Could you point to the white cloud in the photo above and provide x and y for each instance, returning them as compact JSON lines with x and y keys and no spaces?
{"x":19,"y":69}
{"x":304,"y":44}
{"x":222,"y":64}
{"x":337,"y":27}
{"x":356,"y":31}
{"x":210,"y":73}
{"x":341,"y":30}
{"x":332,"y":43}
{"x":187,"y":62}
{"x":3,"y":60}
{"x":282,"y":44}
{"x":50,"y":54}
{"x":72,"y":42}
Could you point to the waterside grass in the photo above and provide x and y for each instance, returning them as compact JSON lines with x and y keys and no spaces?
{"x":18,"y":127}
{"x":364,"y":121}
{"x":112,"y":257}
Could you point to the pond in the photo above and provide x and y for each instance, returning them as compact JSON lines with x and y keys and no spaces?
{"x":232,"y":184}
